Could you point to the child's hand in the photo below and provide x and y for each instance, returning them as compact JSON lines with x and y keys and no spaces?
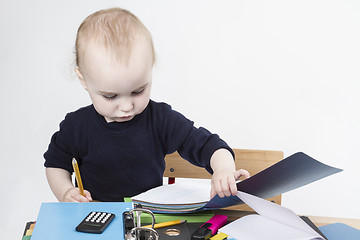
{"x":223,"y":183}
{"x":73,"y":195}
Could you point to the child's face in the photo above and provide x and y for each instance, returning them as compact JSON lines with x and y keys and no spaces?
{"x":119,"y":91}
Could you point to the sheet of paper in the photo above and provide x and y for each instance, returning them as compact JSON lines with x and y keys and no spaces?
{"x":275,"y":212}
{"x":256,"y":227}
{"x":181,"y":192}
{"x":273,"y":222}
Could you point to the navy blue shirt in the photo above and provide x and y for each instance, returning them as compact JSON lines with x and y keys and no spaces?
{"x":122,"y":159}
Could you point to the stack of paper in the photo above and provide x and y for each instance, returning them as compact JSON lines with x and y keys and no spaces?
{"x":290,"y":173}
{"x":183,"y":196}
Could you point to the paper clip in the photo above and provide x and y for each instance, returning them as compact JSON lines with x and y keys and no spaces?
{"x":132,"y":226}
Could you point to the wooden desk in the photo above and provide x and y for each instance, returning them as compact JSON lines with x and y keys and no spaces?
{"x":321,"y":221}
{"x":318,"y":221}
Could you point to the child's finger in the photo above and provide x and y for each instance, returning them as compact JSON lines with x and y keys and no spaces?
{"x":228,"y":185}
{"x":212,"y":192}
{"x":241,"y":172}
{"x":80,"y":198}
{"x":232,"y":186}
{"x":216,"y":185}
{"x":226,"y":189}
{"x":88,"y":195}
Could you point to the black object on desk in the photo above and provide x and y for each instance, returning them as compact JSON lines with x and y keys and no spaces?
{"x":95,"y":222}
{"x":202,"y":233}
{"x":178,"y":232}
{"x":312,"y":225}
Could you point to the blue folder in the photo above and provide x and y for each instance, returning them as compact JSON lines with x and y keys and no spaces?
{"x":340,"y":231}
{"x":290,"y":173}
{"x":57,"y":221}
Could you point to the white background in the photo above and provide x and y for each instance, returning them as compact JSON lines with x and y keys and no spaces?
{"x":275,"y":75}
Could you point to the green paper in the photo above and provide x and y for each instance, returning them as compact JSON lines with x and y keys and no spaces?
{"x":189,"y":217}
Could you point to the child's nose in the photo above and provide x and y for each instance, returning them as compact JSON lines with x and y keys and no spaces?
{"x":125,"y":105}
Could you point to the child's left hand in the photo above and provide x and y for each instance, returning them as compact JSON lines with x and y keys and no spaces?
{"x":223,"y":182}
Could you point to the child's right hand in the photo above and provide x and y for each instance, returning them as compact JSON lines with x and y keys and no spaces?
{"x":73,"y":195}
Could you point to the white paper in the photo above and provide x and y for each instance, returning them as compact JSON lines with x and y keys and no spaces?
{"x":274,"y":222}
{"x":181,"y":192}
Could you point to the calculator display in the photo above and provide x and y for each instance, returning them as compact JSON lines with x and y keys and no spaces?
{"x":92,"y":224}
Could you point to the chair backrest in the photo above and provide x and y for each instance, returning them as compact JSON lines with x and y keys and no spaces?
{"x":253,"y":161}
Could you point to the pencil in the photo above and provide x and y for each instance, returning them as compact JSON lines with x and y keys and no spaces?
{"x":166,"y":224}
{"x":78,"y":177}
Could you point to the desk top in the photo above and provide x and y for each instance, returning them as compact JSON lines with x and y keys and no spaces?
{"x":318,"y":221}
{"x":321,"y":221}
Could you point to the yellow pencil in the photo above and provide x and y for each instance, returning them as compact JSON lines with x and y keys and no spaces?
{"x":166,"y":224}
{"x":78,"y":178}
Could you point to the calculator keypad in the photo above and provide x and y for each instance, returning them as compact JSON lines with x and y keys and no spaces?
{"x":95,"y":222}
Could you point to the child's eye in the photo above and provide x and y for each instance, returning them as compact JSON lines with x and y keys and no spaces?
{"x":138,"y":92}
{"x":109,"y":97}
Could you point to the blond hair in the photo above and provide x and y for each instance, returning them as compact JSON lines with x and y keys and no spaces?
{"x":115,"y":29}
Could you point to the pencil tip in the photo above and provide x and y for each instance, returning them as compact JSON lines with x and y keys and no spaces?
{"x":73,"y":160}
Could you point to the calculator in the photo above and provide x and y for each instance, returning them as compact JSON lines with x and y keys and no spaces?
{"x":95,"y":222}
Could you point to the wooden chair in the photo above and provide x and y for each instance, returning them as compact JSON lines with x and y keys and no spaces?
{"x":253,"y":161}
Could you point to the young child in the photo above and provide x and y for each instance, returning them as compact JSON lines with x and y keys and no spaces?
{"x":120,"y":141}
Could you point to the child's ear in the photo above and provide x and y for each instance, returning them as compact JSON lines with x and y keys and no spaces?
{"x":81,"y":77}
